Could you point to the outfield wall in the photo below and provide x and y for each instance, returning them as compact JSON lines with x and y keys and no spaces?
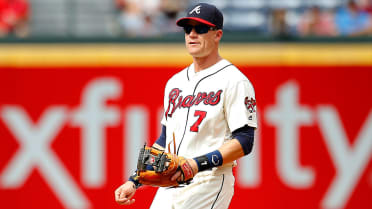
{"x":73,"y":116}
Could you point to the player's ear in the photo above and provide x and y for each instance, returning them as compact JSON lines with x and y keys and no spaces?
{"x":218,"y":35}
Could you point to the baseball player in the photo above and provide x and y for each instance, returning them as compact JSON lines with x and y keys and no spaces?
{"x":209,"y":119}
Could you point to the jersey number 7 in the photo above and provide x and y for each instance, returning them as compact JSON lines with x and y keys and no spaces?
{"x":201,"y":115}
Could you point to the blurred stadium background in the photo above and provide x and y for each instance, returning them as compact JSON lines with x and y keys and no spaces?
{"x":155,"y":18}
{"x":81,"y":89}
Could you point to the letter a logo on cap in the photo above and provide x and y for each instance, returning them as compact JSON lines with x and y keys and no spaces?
{"x":196,"y":9}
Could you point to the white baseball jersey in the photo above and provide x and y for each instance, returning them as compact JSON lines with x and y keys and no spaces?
{"x":203,"y":109}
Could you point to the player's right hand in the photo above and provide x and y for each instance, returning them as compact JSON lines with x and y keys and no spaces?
{"x":124,"y":194}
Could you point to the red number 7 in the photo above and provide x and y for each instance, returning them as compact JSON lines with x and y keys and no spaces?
{"x":201,"y":115}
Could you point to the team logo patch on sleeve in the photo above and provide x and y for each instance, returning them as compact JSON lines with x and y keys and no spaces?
{"x":250,"y":103}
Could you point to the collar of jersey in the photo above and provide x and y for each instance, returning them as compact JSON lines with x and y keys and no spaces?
{"x":212,"y":69}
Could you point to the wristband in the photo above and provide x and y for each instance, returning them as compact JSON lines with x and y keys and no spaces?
{"x":134,"y":178}
{"x":208,"y":161}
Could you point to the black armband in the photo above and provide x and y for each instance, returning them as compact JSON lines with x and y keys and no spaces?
{"x":208,"y":161}
{"x":245,"y":136}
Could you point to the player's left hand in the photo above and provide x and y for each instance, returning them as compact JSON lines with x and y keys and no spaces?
{"x":189,"y":165}
{"x":167,"y":170}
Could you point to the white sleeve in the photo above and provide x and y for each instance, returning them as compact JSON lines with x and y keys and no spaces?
{"x":240,"y":105}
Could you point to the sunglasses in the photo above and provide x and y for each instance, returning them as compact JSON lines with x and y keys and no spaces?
{"x":200,"y":29}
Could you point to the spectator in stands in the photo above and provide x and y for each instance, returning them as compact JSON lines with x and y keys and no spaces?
{"x":316,"y":22}
{"x":278,"y":25}
{"x":351,"y":21}
{"x":14,"y":16}
{"x":138,"y":17}
{"x":170,"y":10}
{"x":366,"y":6}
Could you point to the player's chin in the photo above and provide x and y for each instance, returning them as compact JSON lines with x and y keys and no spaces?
{"x":195,"y":52}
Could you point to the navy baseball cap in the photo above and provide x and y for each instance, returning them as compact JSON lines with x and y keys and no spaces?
{"x":203,"y":13}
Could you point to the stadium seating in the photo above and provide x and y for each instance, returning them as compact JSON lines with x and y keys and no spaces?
{"x":86,"y":18}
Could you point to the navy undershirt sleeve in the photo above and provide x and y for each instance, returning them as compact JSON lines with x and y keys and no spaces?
{"x":161,"y":140}
{"x":245,"y":135}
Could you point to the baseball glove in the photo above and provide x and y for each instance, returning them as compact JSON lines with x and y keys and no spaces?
{"x":156,"y":167}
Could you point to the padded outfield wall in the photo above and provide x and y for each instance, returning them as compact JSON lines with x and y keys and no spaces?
{"x":73,"y":116}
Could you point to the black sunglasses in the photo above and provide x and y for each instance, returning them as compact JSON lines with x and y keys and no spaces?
{"x":200,"y":29}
